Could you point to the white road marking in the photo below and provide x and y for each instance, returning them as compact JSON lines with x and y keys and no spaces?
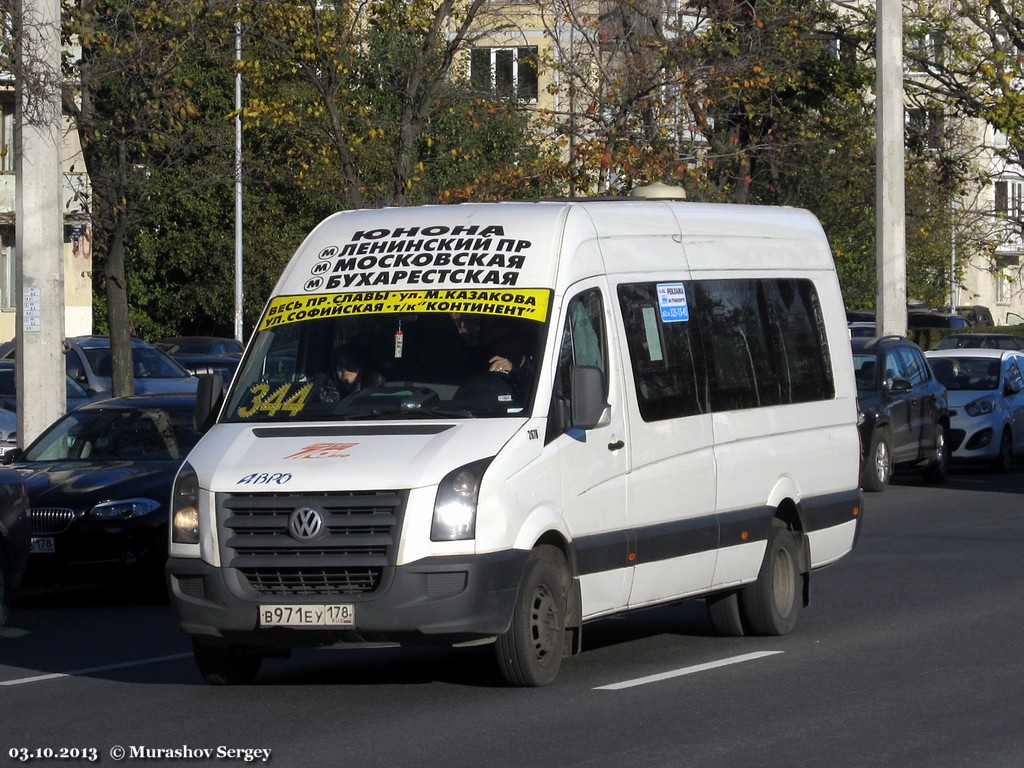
{"x":92,"y":670}
{"x":686,"y":671}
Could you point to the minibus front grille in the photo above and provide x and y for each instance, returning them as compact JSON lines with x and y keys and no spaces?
{"x":345,"y":550}
{"x":313,"y":581}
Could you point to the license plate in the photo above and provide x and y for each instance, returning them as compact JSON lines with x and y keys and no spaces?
{"x":307,"y":615}
{"x":42,"y":545}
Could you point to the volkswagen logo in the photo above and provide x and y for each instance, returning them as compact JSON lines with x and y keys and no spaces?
{"x":305,"y":523}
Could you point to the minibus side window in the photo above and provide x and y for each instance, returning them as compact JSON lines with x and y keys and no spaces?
{"x":668,"y":375}
{"x":583,"y":343}
{"x":739,"y":344}
{"x":765,"y":343}
{"x":803,"y":345}
{"x":731,"y":314}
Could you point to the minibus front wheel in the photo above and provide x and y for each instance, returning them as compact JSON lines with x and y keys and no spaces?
{"x":772,"y":603}
{"x":530,"y":652}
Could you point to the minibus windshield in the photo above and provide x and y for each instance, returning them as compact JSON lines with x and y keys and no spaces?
{"x":393,"y":355}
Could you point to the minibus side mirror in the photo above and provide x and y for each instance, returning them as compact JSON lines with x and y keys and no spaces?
{"x":588,"y":403}
{"x":209,"y":396}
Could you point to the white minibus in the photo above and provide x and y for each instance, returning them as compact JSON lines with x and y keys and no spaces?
{"x":497,"y":422}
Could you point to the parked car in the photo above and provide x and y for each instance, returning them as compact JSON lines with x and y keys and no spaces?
{"x":904,"y":418}
{"x":199,"y":345}
{"x":76,"y":394}
{"x":861,"y":329}
{"x":14,"y":537}
{"x":983,"y":340}
{"x":99,"y":485}
{"x":975,"y":314}
{"x":225,"y":365}
{"x":860,"y":315}
{"x":8,"y":432}
{"x":87,"y":360}
{"x":986,"y":401}
{"x":933,"y":319}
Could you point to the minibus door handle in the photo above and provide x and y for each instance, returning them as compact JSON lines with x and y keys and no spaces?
{"x":616,"y":446}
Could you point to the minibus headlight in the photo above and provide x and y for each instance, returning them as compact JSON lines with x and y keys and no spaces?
{"x":185,"y":507}
{"x":455,"y":506}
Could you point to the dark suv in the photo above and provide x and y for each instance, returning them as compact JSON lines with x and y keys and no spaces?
{"x":904,"y":417}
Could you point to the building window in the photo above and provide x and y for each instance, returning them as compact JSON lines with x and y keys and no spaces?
{"x":1009,"y":201}
{"x":505,"y":72}
{"x":924,"y":51}
{"x":6,"y":135}
{"x":8,"y":299}
{"x":924,"y":128}
{"x":1010,"y":197}
{"x":1003,"y":288}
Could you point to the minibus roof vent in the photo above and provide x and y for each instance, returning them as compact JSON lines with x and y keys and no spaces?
{"x":659,"y":191}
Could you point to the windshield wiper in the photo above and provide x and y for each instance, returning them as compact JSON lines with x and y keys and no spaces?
{"x":437,"y":412}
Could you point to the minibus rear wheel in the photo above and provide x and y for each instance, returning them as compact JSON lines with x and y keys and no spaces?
{"x":530,"y":652}
{"x":225,"y":665}
{"x":772,"y":603}
{"x":725,"y":613}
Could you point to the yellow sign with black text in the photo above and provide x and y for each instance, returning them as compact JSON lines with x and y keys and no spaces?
{"x":524,"y":303}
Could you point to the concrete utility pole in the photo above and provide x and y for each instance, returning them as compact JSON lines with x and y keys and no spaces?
{"x":239,"y":331}
{"x":890,"y":226}
{"x":39,"y":219}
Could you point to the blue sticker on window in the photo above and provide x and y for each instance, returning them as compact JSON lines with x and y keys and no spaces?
{"x":672,"y":303}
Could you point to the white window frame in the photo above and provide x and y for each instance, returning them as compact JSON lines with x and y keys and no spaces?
{"x":8,"y":275}
{"x":514,"y":51}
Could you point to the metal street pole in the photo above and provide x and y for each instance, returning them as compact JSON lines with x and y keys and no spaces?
{"x":239,"y":331}
{"x":39,"y":219}
{"x":890,"y":226}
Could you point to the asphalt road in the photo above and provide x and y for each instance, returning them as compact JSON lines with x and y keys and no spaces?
{"x":907,"y":656}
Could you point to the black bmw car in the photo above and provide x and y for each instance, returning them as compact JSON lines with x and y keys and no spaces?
{"x":99,"y":484}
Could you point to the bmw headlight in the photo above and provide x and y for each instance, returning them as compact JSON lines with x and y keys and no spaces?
{"x":981,"y":406}
{"x":455,"y":506}
{"x":123,"y":510}
{"x":185,"y":507}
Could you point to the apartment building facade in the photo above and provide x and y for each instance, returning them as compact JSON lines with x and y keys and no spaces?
{"x":77,"y":239}
{"x":511,"y":62}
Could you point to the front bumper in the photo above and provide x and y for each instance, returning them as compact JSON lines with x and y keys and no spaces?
{"x":102,"y":547}
{"x":440,"y":600}
{"x":975,"y":439}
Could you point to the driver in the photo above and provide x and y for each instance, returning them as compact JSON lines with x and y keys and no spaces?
{"x":349,"y":376}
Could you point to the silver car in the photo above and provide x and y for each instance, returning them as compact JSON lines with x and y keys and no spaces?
{"x":986,"y":401}
{"x":87,"y":360}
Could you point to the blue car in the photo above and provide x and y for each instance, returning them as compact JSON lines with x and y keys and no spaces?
{"x":76,"y":394}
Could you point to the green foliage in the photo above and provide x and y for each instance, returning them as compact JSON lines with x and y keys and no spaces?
{"x":351,"y":105}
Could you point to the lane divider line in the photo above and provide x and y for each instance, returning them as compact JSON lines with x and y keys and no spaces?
{"x":686,"y":671}
{"x":93,"y":670}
